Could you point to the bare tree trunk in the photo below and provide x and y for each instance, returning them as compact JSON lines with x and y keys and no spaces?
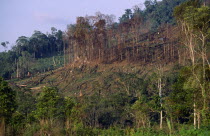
{"x":144,"y":56}
{"x":64,"y":56}
{"x":67,"y":124}
{"x":18,"y":72}
{"x":71,"y":48}
{"x":179,"y":57}
{"x":160,"y":74}
{"x":164,"y":51}
{"x":121,"y":54}
{"x":99,"y":54}
{"x":54,"y":61}
{"x":2,"y":126}
{"x":194,"y":114}
{"x":203,"y":81}
{"x":184,"y":58}
{"x":199,"y":119}
{"x":161,"y":119}
{"x":128,"y":55}
{"x":160,"y":95}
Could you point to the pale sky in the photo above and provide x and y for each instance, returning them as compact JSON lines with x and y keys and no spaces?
{"x":22,"y":17}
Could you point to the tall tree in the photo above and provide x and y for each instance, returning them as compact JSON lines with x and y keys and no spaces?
{"x":80,"y":34}
{"x":194,"y":21}
{"x":101,"y":38}
{"x":48,"y":106}
{"x":7,"y":104}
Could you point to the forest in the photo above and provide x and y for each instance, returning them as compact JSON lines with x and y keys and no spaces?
{"x":146,"y":74}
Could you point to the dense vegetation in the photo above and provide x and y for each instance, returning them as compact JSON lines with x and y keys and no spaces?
{"x":26,"y":56}
{"x":145,"y":75}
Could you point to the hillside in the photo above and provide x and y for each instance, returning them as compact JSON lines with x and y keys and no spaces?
{"x":79,"y":76}
{"x":86,"y":79}
{"x":142,"y":76}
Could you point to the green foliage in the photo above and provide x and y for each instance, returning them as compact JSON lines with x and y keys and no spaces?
{"x":160,"y":12}
{"x":7,"y":64}
{"x":7,"y":100}
{"x":149,"y":132}
{"x":81,"y":130}
{"x":126,"y":16}
{"x":25,"y":62}
{"x":49,"y":104}
{"x":46,"y":64}
{"x":105,"y":112}
{"x":156,"y":12}
{"x":69,"y":104}
{"x":190,"y":131}
{"x":141,"y":112}
{"x":17,"y":123}
{"x":180,"y":10}
{"x":195,"y":15}
{"x":26,"y":104}
{"x":110,"y":110}
{"x":113,"y":131}
{"x":31,"y":129}
{"x":26,"y":54}
{"x":181,"y":100}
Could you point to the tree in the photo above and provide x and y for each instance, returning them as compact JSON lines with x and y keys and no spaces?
{"x":158,"y":13}
{"x":48,"y":106}
{"x":8,"y":65}
{"x":24,"y":64}
{"x":80,"y":35}
{"x":160,"y":89}
{"x":194,"y":21}
{"x":59,"y":40}
{"x":22,"y":44}
{"x":136,"y":23}
{"x":126,"y":16}
{"x":100,"y":38}
{"x":68,"y":111}
{"x":141,"y":113}
{"x":4,"y":44}
{"x":26,"y":102}
{"x":7,"y":104}
{"x":198,"y":20}
{"x":178,"y":103}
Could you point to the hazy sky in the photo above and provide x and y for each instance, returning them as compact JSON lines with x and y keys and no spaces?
{"x":22,"y":17}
